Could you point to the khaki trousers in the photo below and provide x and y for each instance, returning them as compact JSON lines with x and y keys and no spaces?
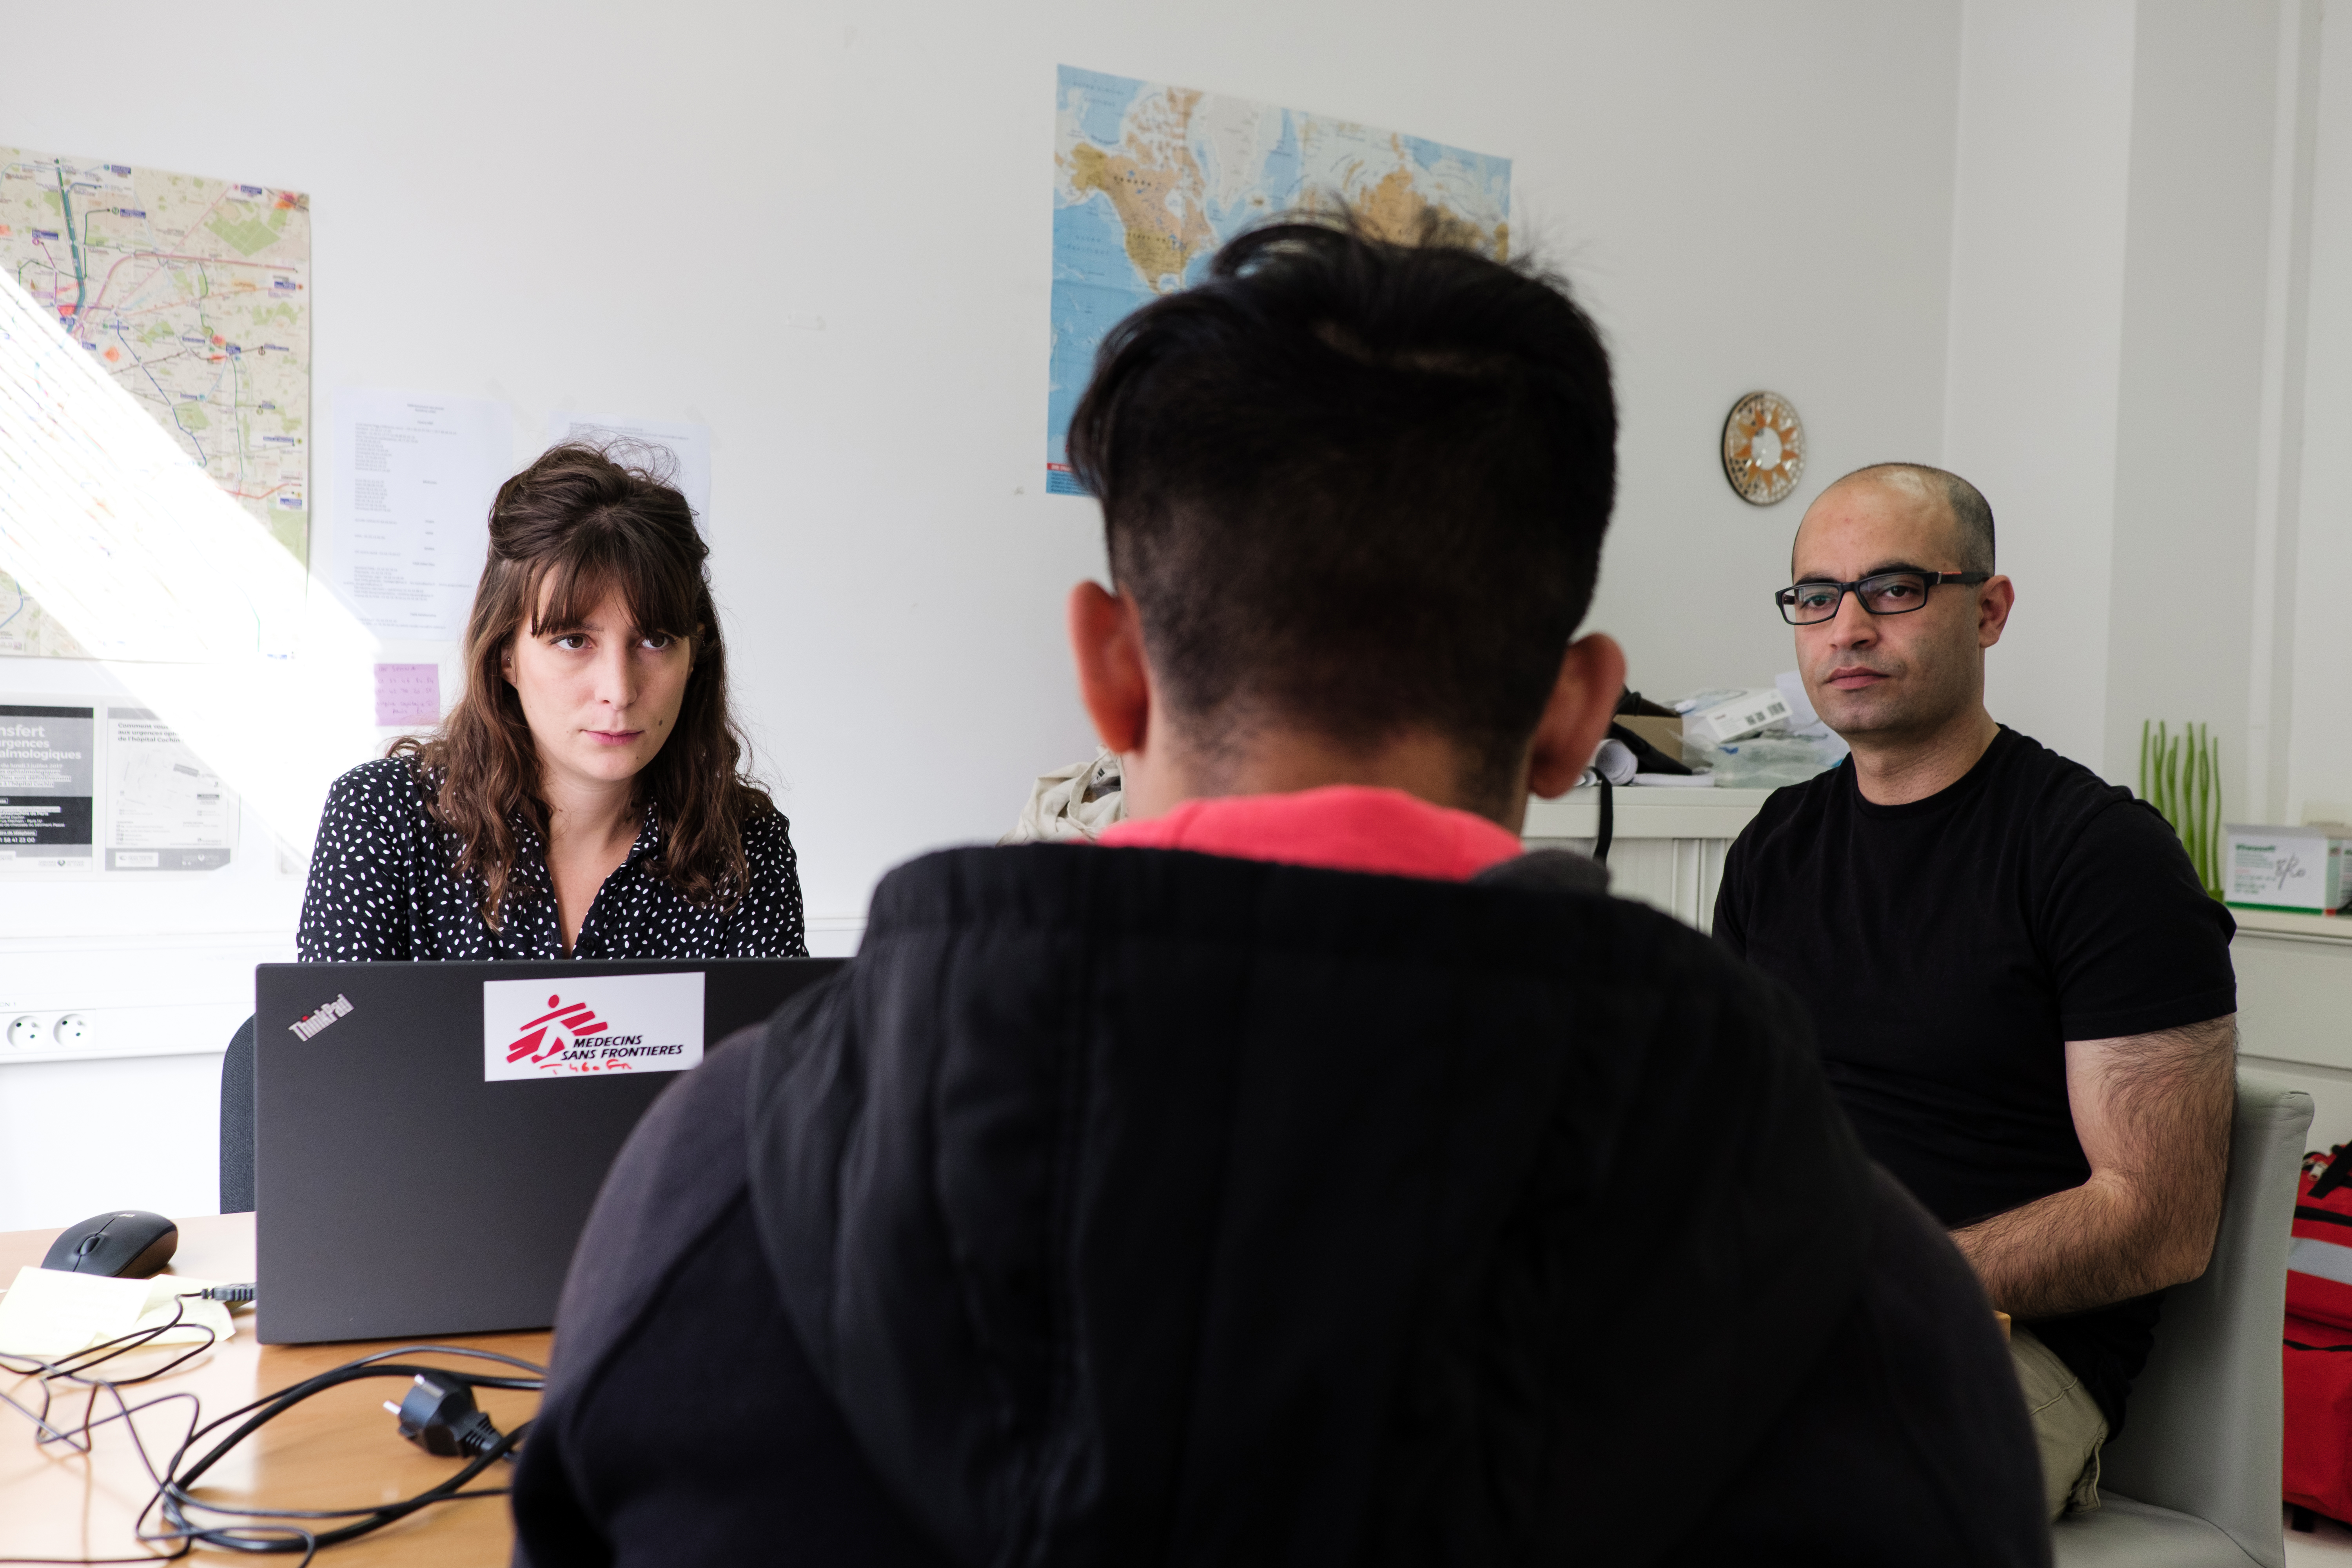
{"x":2067,"y":1425}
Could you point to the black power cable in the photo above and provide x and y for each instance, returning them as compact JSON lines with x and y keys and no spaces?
{"x":440,"y":1415}
{"x":288,"y":1539}
{"x":492,"y":1447}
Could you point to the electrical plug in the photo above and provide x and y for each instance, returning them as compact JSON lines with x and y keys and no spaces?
{"x":442,"y":1418}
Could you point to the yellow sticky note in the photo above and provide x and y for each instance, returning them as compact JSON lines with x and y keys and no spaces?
{"x":48,"y":1314}
{"x":166,"y":1291}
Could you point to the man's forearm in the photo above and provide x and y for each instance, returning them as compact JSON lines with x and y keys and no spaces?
{"x":2153,"y":1113}
{"x":2070,"y":1252}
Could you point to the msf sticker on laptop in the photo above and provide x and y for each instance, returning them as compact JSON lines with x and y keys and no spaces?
{"x":597,"y":1024}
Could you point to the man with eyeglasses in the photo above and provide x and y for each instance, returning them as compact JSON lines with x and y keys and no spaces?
{"x":2023,"y":997}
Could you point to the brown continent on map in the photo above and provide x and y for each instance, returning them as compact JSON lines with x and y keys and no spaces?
{"x":1395,"y":210}
{"x":1163,"y":237}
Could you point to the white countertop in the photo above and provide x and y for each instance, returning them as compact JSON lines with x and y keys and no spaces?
{"x":2302,"y":928}
{"x":1641,"y":812}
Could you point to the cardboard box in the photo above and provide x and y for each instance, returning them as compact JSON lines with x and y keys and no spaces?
{"x":2299,"y":869}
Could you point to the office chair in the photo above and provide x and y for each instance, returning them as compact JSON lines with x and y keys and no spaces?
{"x":237,"y":1123}
{"x":2194,"y":1480}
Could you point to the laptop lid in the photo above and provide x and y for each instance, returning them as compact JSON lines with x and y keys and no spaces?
{"x":429,"y":1137}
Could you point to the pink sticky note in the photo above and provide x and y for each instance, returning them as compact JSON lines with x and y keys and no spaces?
{"x":407,"y":694}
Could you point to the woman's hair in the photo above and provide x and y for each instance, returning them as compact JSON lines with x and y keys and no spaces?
{"x":572,"y":527}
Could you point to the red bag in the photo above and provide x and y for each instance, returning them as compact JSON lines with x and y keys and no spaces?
{"x":2316,"y":1467}
{"x":2319,"y":1258}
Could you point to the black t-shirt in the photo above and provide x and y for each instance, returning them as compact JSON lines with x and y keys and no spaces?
{"x":1948,"y":948}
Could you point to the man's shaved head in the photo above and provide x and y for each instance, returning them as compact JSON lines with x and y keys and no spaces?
{"x":1887,"y":678}
{"x":1971,"y":515}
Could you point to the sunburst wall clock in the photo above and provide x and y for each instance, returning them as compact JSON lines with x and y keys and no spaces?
{"x":1763,"y":447}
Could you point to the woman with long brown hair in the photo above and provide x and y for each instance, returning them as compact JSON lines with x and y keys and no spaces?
{"x":586,"y":797}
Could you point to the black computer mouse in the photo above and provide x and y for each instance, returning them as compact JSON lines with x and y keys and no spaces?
{"x":129,"y":1244}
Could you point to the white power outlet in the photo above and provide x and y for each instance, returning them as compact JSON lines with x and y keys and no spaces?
{"x":25,"y":1032}
{"x":73,"y":1029}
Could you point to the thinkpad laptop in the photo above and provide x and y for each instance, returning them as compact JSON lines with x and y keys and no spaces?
{"x":429,"y":1137}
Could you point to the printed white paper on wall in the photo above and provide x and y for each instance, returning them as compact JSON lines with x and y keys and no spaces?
{"x":414,"y":477}
{"x":48,"y":778}
{"x":167,"y":809}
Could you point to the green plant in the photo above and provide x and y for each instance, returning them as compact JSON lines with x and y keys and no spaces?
{"x":2186,"y":788}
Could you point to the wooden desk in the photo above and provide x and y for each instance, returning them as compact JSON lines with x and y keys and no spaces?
{"x":339,"y":1449}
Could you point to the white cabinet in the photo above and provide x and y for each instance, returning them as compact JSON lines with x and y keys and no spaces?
{"x":2294,"y":1009}
{"x":1668,"y":844}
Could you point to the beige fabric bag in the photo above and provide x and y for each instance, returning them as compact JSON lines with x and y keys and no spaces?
{"x":1072,"y":803}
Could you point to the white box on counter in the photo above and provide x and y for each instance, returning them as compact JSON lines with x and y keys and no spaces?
{"x":2299,"y":869}
{"x":1713,"y":718}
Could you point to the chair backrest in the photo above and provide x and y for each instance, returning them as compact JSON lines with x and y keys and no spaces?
{"x":2202,"y":1433}
{"x":237,"y":1122}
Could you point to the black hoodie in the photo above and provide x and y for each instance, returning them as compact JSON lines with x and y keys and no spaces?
{"x":1135,"y":1205}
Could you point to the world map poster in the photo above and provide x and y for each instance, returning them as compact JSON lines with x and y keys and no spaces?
{"x":1149,"y":180}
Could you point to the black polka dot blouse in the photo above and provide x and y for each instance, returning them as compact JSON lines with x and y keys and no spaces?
{"x":383,"y":885}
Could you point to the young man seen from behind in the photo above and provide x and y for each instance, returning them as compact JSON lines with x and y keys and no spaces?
{"x":1302,"y":1175}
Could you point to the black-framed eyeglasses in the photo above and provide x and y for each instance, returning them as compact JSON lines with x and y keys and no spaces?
{"x":1880,"y":592}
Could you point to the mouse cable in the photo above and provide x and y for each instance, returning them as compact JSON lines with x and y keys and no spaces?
{"x":445,"y":1396}
{"x":75,"y":1368}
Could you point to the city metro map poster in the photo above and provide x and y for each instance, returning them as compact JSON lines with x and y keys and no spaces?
{"x":195,"y":294}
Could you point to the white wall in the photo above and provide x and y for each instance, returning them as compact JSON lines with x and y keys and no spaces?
{"x":2127,"y":288}
{"x":2189,"y":411}
{"x":2283,"y":412}
{"x":2036,"y":325}
{"x":1748,"y":206}
{"x":144,"y":1141}
{"x":2319,"y":743}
